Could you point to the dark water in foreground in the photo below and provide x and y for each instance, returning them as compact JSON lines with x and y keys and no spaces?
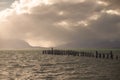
{"x":32,"y":65}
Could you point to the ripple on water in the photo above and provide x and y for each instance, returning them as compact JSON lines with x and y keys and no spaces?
{"x":30,"y":65}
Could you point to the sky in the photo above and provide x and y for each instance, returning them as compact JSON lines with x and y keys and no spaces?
{"x":60,"y":23}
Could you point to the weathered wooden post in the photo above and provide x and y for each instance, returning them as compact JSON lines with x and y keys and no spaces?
{"x":107,"y":56}
{"x":96,"y":54}
{"x":111,"y":55}
{"x":117,"y":57}
{"x":103,"y":55}
{"x":99,"y":55}
{"x":51,"y":50}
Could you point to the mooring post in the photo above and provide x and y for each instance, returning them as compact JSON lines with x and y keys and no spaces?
{"x":103,"y":55}
{"x":107,"y":56}
{"x":117,"y":57}
{"x":99,"y":55}
{"x":96,"y":54}
{"x":51,"y":50}
{"x":111,"y":55}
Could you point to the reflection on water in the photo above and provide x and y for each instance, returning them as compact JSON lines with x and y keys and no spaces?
{"x":32,"y":65}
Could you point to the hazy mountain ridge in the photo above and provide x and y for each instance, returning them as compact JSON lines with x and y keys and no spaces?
{"x":13,"y":44}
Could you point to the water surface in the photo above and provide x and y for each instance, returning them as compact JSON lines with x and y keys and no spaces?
{"x":33,"y":65}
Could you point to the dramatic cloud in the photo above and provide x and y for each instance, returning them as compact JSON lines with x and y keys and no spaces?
{"x":66,"y":23}
{"x":5,"y":4}
{"x":113,"y":3}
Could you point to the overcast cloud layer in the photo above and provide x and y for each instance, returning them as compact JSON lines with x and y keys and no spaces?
{"x":61,"y":23}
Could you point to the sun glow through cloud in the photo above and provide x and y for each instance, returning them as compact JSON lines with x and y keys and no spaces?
{"x":24,"y":6}
{"x":41,"y":43}
{"x":20,"y":7}
{"x":112,"y":12}
{"x":102,"y":3}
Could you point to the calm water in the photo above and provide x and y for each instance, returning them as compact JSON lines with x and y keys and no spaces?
{"x":32,"y":65}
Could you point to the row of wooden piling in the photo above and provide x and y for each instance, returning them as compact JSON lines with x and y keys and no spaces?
{"x":95,"y":54}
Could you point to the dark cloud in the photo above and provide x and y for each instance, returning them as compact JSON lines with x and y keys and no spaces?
{"x":103,"y":33}
{"x":72,"y":11}
{"x":113,"y":3}
{"x":107,"y":24}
